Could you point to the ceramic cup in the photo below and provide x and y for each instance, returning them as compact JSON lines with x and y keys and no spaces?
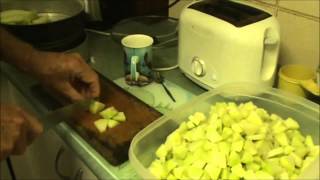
{"x":137,"y":59}
{"x":297,"y":79}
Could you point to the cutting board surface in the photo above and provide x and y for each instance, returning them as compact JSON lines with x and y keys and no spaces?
{"x":141,"y":105}
{"x":114,"y":143}
{"x":155,"y":95}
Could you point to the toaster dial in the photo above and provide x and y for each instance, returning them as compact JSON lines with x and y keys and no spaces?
{"x":198,"y":67}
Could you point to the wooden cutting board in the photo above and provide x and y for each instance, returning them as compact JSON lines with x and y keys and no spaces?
{"x":114,"y":143}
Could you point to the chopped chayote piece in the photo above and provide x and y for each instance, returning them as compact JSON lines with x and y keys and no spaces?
{"x":108,"y":113}
{"x":233,"y":159}
{"x":96,"y":107}
{"x":101,"y":125}
{"x":112,"y":123}
{"x":119,"y":117}
{"x":282,"y":139}
{"x":213,"y":171}
{"x":291,"y":124}
{"x":275,"y":152}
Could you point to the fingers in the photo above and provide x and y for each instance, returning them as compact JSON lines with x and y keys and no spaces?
{"x":34,"y":127}
{"x":67,"y":90}
{"x":93,"y":89}
{"x":69,"y":75}
{"x":16,"y":125}
{"x":87,"y":76}
{"x":76,"y":55}
{"x":21,"y":142}
{"x":9,"y":135}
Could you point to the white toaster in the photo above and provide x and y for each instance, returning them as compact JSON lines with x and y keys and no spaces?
{"x":221,"y":41}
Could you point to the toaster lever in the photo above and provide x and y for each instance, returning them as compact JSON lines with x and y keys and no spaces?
{"x":270,"y":41}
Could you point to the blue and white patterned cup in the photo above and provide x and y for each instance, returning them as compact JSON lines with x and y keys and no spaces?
{"x":137,"y":59}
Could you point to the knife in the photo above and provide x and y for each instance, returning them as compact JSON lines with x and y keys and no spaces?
{"x":64,"y":114}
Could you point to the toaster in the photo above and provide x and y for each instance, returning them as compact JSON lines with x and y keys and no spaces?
{"x":222,"y":41}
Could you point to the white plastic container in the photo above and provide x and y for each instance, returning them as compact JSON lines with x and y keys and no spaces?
{"x":145,"y":143}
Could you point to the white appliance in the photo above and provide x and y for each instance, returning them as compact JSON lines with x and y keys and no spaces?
{"x":221,"y":41}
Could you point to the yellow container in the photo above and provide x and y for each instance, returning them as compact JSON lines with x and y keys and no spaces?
{"x":293,"y":77}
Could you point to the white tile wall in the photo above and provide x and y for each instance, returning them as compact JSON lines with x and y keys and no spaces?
{"x":264,"y":6}
{"x":300,"y":40}
{"x":310,"y":7}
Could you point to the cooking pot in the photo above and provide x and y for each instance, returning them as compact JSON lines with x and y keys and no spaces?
{"x":64,"y":31}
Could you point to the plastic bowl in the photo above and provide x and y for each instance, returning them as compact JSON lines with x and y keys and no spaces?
{"x":145,"y":143}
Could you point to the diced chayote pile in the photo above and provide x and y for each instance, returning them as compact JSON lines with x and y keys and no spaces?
{"x":234,"y":142}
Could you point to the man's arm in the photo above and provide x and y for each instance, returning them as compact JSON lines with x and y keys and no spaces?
{"x":15,"y":51}
{"x":68,"y":74}
{"x":18,"y":128}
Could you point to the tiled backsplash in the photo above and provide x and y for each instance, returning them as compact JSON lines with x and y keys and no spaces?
{"x":299,"y":23}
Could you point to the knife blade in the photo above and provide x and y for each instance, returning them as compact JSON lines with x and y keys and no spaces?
{"x":64,"y":114}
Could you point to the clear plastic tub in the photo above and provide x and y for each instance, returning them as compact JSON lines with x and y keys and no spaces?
{"x":145,"y":143}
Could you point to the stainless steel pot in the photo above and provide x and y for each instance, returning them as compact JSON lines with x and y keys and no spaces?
{"x":92,"y":9}
{"x":64,"y":31}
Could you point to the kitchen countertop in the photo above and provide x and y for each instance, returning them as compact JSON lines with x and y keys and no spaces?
{"x":108,"y":58}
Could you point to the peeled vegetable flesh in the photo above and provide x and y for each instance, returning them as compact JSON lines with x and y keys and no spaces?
{"x":120,"y":117}
{"x":108,"y":113}
{"x":22,"y":17}
{"x":96,"y":106}
{"x":101,"y":125}
{"x":235,"y":142}
{"x":110,"y":117}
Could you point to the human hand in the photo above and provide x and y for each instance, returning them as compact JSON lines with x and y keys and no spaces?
{"x":18,"y":130}
{"x":66,"y":74}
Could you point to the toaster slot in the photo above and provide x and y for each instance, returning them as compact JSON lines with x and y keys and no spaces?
{"x":237,"y":14}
